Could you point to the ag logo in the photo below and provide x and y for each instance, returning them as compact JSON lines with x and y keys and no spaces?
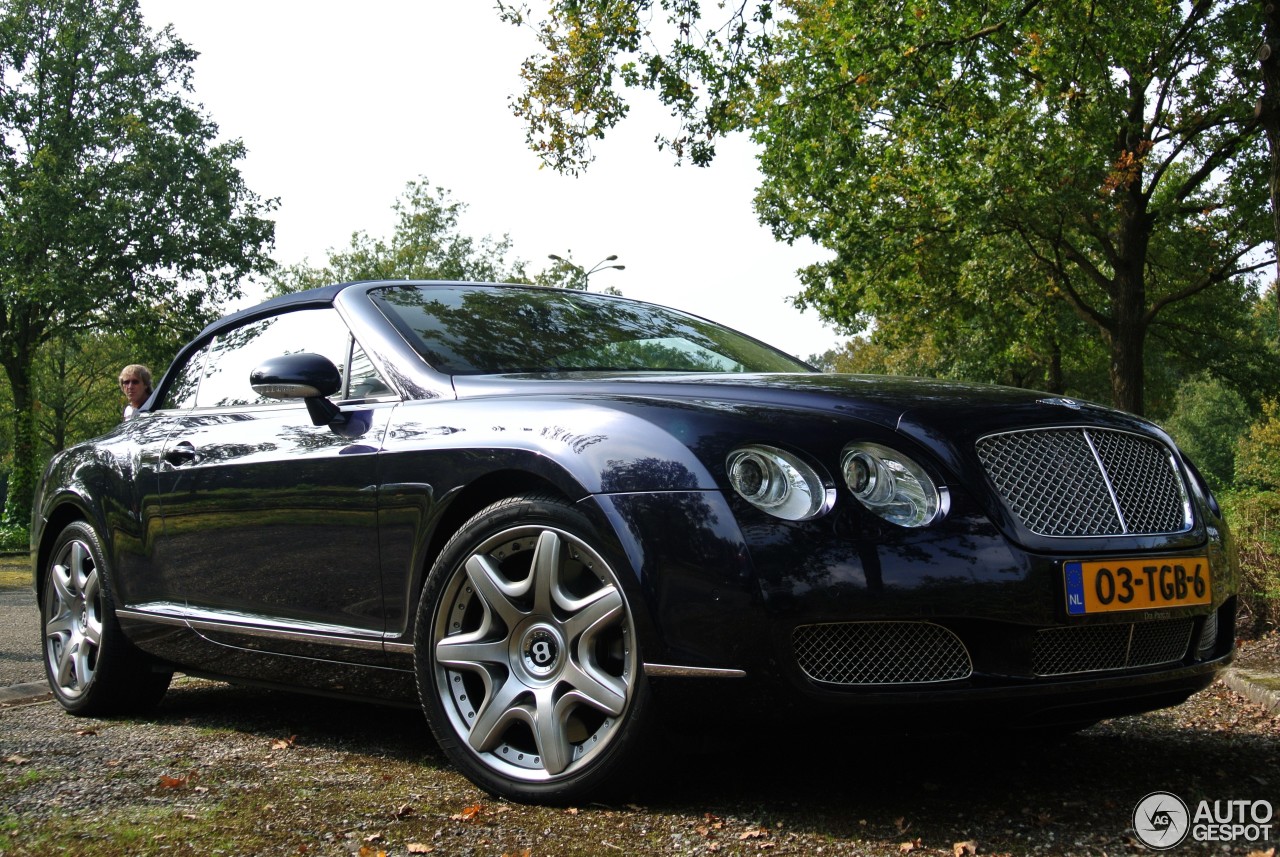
{"x":1161,"y":821}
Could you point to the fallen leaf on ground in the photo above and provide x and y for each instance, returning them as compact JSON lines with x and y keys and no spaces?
{"x":471,"y":813}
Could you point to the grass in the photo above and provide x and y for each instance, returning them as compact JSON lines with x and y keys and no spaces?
{"x":15,"y":571}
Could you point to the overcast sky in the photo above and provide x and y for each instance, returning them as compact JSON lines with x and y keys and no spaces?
{"x":340,"y":104}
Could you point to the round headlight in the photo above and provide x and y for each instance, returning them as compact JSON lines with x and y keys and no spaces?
{"x":775,"y":481}
{"x":891,"y":485}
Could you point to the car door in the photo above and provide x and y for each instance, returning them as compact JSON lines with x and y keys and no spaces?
{"x":269,"y":523}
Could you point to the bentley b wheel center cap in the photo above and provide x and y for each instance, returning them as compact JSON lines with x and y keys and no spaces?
{"x":540,"y":651}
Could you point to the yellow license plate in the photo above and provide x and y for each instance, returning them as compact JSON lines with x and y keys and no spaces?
{"x":1136,"y":584}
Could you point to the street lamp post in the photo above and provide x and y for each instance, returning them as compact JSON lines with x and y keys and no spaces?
{"x":585,"y":275}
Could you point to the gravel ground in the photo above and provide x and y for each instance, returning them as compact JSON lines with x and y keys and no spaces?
{"x":227,"y":770}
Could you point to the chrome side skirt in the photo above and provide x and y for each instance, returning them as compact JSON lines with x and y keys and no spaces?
{"x":671,"y":670}
{"x":247,"y":624}
{"x":205,"y":620}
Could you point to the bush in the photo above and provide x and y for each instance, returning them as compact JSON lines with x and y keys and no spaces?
{"x":1258,"y":454}
{"x":1207,"y":420}
{"x":1255,"y":523}
{"x":14,"y":539}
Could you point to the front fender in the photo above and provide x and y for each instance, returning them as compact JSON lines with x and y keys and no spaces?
{"x":581,"y":447}
{"x":97,"y":485}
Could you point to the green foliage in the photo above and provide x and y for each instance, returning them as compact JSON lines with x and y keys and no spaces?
{"x":14,"y":537}
{"x":1258,"y":454}
{"x":595,"y":49}
{"x":119,"y":198}
{"x":1039,"y":194}
{"x":1254,"y":517}
{"x":1207,"y":421}
{"x":426,"y":245}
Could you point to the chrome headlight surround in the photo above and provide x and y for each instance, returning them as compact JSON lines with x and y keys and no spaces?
{"x":892,"y":485}
{"x":779,"y":483}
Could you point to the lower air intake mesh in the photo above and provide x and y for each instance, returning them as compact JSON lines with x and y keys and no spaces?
{"x":1093,"y":648}
{"x":861,"y":653}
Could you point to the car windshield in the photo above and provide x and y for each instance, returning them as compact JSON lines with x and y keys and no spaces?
{"x":462,"y":330}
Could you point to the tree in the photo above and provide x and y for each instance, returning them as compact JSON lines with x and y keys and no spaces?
{"x":426,"y":245}
{"x":115,"y":196}
{"x":77,"y":395}
{"x":1010,"y":157}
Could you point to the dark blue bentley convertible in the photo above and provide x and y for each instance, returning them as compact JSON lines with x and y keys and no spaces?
{"x":551,"y":518}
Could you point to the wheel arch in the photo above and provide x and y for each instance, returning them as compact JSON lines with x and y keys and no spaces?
{"x":68,"y":509}
{"x":466,"y":501}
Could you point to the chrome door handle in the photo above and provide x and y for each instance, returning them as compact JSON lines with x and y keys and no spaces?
{"x":180,"y":453}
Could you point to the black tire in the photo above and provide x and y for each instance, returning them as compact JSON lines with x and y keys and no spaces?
{"x":92,"y":669}
{"x":527,"y":660}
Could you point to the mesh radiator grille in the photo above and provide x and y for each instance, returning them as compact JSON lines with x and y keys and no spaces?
{"x":1087,"y":482}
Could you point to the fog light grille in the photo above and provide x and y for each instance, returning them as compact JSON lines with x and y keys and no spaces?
{"x":862,"y":653}
{"x":1093,"y":648}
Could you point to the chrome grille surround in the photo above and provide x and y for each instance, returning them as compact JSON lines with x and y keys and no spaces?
{"x":1095,"y":648}
{"x":875,"y":653}
{"x":1083,"y":481}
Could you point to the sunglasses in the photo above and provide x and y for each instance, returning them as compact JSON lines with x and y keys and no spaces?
{"x":124,"y":382}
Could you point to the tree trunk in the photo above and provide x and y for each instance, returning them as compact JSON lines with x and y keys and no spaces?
{"x":1127,"y":367}
{"x":1128,"y":333}
{"x":1056,"y":383}
{"x":1269,"y":112}
{"x":26,"y":463}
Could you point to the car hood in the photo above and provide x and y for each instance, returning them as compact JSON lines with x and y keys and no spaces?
{"x":919,"y":407}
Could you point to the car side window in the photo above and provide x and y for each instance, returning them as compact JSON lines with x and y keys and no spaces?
{"x":181,"y":392}
{"x":363,"y":381}
{"x":233,"y":355}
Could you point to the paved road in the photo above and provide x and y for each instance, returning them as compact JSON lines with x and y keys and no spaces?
{"x":19,"y":637}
